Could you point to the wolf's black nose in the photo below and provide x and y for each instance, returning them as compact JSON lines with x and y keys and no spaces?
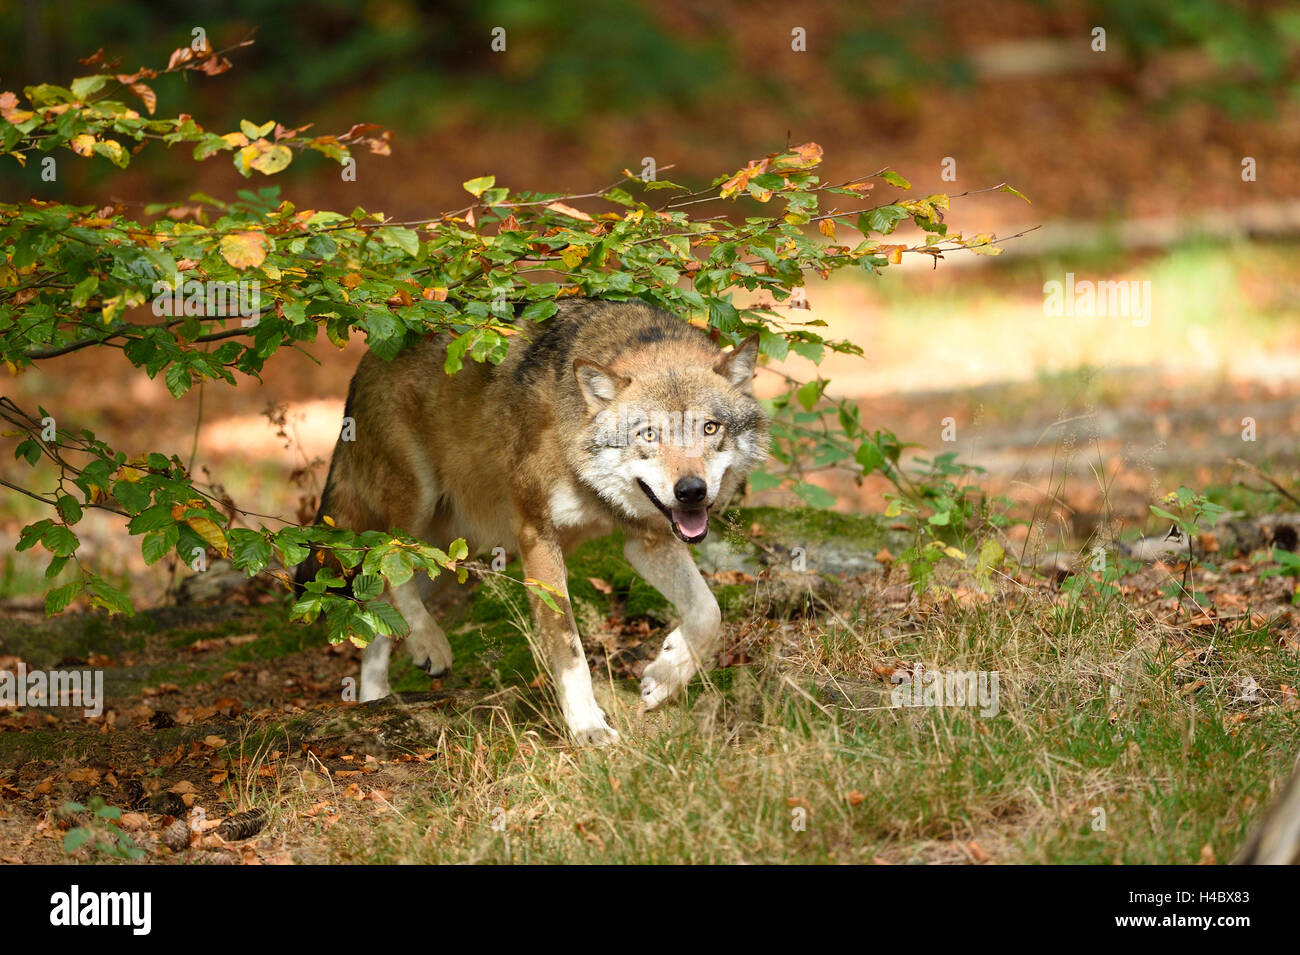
{"x":691,"y":490}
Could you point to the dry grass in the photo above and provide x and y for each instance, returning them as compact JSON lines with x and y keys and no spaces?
{"x":1117,"y":739}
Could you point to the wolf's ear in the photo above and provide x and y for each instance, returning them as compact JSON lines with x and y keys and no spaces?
{"x":599,"y":385}
{"x":737,"y":365}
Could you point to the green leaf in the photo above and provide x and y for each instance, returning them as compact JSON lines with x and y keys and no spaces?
{"x":870,"y":456}
{"x":367,"y":586}
{"x":60,"y":541}
{"x":178,"y":379}
{"x":160,"y":515}
{"x":763,"y":481}
{"x":29,"y":450}
{"x":882,"y":219}
{"x":773,"y":345}
{"x":84,"y":86}
{"x":398,"y":566}
{"x":813,"y":351}
{"x":1014,"y":192}
{"x":542,"y":592}
{"x":84,"y":290}
{"x":809,"y":394}
{"x":814,"y":496}
{"x":69,"y":509}
{"x":76,"y":838}
{"x":158,"y":543}
{"x":539,"y":311}
{"x":405,"y":239}
{"x":131,"y":495}
{"x":58,"y":598}
{"x":385,"y":619}
{"x":249,"y":550}
{"x":103,"y":594}
{"x":476,"y":187}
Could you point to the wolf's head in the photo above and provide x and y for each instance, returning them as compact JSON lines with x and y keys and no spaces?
{"x":672,"y":439}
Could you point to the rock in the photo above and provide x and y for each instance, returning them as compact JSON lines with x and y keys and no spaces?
{"x":717,"y":553}
{"x":1172,"y":546}
{"x":219,"y":581}
{"x":792,"y":594}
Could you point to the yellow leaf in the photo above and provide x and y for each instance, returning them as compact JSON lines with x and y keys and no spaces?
{"x":83,"y":145}
{"x":210,"y":532}
{"x":573,"y":255}
{"x":244,"y":249}
{"x":269,"y":159}
{"x":982,"y":244}
{"x":569,"y":211}
{"x":110,"y":308}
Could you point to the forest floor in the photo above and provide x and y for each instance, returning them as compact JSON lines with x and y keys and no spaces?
{"x":1131,"y":721}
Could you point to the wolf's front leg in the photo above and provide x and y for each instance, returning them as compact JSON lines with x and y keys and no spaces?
{"x":543,"y":560}
{"x":667,"y":565}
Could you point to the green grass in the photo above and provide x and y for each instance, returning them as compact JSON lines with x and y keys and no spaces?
{"x":1096,"y":722}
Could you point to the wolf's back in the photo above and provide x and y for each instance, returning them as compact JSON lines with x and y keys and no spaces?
{"x":417,"y":428}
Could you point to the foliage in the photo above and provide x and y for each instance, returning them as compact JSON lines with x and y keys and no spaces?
{"x":99,"y":834}
{"x":1191,"y":514}
{"x":76,"y":277}
{"x":1286,"y":564}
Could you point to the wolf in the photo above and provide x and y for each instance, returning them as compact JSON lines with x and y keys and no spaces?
{"x":605,"y":416}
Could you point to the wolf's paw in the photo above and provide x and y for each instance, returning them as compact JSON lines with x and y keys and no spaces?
{"x":430,"y":651}
{"x":596,"y":736}
{"x":372,"y":688}
{"x":588,"y":727}
{"x":669,"y":673}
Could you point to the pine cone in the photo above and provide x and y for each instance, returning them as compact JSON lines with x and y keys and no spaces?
{"x":242,"y":825}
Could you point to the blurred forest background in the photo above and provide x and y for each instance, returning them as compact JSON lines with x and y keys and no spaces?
{"x":1132,"y":157}
{"x":1171,"y":156}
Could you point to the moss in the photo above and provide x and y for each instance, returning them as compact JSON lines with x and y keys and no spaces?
{"x":734,"y":599}
{"x":44,"y":643}
{"x":808,"y":523}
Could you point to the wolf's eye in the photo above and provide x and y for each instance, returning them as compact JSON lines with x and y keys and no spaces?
{"x":711,"y":427}
{"x":648,"y":435}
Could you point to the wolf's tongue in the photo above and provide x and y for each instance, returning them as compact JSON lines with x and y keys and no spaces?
{"x":691,"y":523}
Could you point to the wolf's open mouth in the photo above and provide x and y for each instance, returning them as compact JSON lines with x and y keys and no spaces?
{"x":690,"y":524}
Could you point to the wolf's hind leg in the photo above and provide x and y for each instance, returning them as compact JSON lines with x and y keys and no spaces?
{"x":374,"y":669}
{"x":666,"y":565}
{"x":426,"y":642}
